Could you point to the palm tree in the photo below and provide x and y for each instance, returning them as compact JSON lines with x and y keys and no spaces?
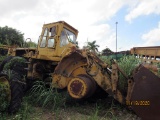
{"x":92,"y":46}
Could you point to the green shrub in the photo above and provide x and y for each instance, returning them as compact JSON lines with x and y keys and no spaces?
{"x":14,"y":62}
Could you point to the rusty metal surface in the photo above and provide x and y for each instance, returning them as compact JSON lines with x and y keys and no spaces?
{"x":145,"y":98}
{"x":90,"y":82}
{"x":81,"y":87}
{"x":76,"y":86}
{"x":147,"y":52}
{"x":152,"y":67}
{"x":69,"y":63}
{"x":98,"y":60}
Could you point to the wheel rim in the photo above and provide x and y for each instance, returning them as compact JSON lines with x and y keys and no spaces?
{"x":81,"y":87}
{"x":77,"y":88}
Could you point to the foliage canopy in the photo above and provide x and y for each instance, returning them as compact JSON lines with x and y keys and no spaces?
{"x":107,"y":51}
{"x":10,"y":36}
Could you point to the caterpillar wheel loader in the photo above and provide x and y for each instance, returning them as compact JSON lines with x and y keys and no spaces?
{"x":79,"y":71}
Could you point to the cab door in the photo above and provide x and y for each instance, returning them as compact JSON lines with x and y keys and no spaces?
{"x":42,"y":49}
{"x":51,"y":42}
{"x":47,"y":43}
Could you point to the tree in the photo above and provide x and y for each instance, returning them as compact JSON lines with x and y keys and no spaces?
{"x":107,"y":51}
{"x":92,"y":46}
{"x":10,"y":36}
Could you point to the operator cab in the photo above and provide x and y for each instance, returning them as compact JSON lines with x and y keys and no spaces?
{"x":56,"y":37}
{"x":64,"y":31}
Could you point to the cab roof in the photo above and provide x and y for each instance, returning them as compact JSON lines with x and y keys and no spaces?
{"x":62,"y":22}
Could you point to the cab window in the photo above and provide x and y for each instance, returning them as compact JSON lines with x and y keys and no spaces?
{"x":63,"y":39}
{"x":51,"y":40}
{"x":52,"y":31}
{"x":71,"y":36}
{"x":44,"y":38}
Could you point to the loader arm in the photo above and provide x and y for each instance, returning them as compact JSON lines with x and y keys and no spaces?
{"x":83,"y":63}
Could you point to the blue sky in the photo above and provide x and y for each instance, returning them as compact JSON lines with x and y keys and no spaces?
{"x":138,"y":20}
{"x":131,"y":33}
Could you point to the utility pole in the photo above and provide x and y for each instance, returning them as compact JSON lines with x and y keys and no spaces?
{"x":116,"y":40}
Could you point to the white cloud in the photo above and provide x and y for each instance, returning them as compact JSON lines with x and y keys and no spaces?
{"x":87,"y":16}
{"x":8,"y":7}
{"x":103,"y":35}
{"x":143,"y":7}
{"x":152,"y":38}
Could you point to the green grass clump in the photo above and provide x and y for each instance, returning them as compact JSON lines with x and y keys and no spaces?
{"x":106,"y":59}
{"x":4,"y":101}
{"x":24,"y":113}
{"x":46,"y":96}
{"x":127,"y":64}
{"x":2,"y":58}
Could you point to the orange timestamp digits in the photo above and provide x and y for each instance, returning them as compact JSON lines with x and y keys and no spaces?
{"x":138,"y":103}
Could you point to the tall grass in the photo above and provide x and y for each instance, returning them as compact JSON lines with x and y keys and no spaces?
{"x":94,"y":115}
{"x":106,"y":59}
{"x":23,"y":114}
{"x":47,"y":96}
{"x":127,"y":64}
{"x":4,"y":102}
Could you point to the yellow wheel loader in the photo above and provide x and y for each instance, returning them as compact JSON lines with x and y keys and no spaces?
{"x":79,"y":71}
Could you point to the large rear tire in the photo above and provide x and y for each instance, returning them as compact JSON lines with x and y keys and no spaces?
{"x":16,"y":74}
{"x":17,"y":93}
{"x":11,"y":93}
